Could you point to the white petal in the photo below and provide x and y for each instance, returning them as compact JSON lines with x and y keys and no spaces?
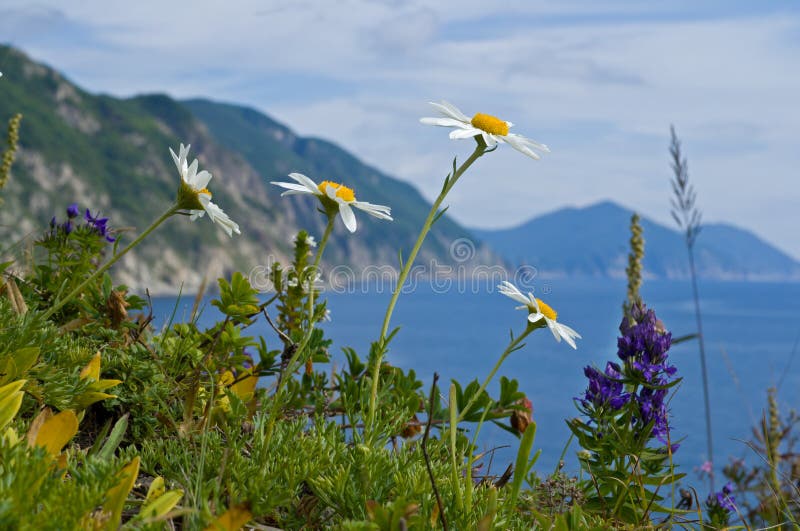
{"x":330,"y":191}
{"x":464,"y":133}
{"x":291,"y":186}
{"x":176,"y":159}
{"x":305,"y":181}
{"x":524,"y":145}
{"x":564,"y":331}
{"x":201,"y":180}
{"x":218,"y":216}
{"x":530,"y":143}
{"x":443,"y":122}
{"x":510,"y":290}
{"x":553,"y":326}
{"x":490,"y":140}
{"x":535,"y":317}
{"x":451,"y":111}
{"x":348,"y":216}
{"x":379,"y":211}
{"x":189,"y":175}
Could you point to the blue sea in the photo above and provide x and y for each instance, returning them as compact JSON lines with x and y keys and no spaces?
{"x":751,"y":332}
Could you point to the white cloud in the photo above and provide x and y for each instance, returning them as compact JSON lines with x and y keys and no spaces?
{"x":599,"y":84}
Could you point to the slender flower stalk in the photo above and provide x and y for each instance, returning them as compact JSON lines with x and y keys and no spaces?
{"x":449,"y":183}
{"x":688,"y":217}
{"x":9,"y":154}
{"x":60,"y":304}
{"x":298,"y":352}
{"x":514,"y":345}
{"x":192,"y":198}
{"x":634,"y":269}
{"x":488,"y":131}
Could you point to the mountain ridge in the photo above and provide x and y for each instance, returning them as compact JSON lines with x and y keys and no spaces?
{"x":111,"y":154}
{"x":593,"y":241}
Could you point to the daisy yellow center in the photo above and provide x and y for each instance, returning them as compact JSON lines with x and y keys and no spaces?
{"x":546,"y":310}
{"x":490,"y":124}
{"x":342,"y":192}
{"x":204,"y":191}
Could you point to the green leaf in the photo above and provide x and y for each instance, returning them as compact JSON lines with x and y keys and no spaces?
{"x":115,"y":438}
{"x":522,"y":464}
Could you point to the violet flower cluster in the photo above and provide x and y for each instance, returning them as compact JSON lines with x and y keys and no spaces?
{"x":721,"y":505}
{"x":643,"y":377}
{"x":94,"y":223}
{"x":723,"y":498}
{"x":100,"y":225}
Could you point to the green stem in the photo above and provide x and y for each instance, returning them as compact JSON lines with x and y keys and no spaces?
{"x":512,"y":346}
{"x":703,"y":370}
{"x":301,"y":347}
{"x":480,"y":149}
{"x":58,"y":305}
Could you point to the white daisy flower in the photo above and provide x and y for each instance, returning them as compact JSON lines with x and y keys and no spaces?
{"x":491,"y":128}
{"x":193,"y":194}
{"x":540,"y":310}
{"x":334,"y":196}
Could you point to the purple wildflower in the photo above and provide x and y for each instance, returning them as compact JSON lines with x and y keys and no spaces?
{"x":99,"y":224}
{"x":73,"y":211}
{"x":643,"y":348}
{"x":723,"y":499}
{"x":605,"y":387}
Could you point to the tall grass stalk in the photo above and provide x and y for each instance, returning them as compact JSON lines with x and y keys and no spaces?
{"x":688,"y":217}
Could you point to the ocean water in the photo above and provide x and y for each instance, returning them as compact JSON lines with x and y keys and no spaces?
{"x":751,"y":330}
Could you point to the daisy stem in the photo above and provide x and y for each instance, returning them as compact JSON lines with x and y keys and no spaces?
{"x":480,"y":149}
{"x":273,"y":413}
{"x":114,"y":259}
{"x":512,"y":346}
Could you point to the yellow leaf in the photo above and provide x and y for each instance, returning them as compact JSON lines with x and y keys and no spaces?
{"x":116,"y":495}
{"x":102,"y":385}
{"x":226,"y":378}
{"x":12,"y":388}
{"x":88,"y":398}
{"x":156,"y":489}
{"x":11,"y":437}
{"x":161,"y":505}
{"x":92,"y":369}
{"x":231,"y":520}
{"x":245,"y":388}
{"x":56,"y":431}
{"x":10,"y":401}
{"x":33,"y":429}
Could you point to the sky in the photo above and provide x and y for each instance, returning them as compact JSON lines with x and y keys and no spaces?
{"x":598,"y":82}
